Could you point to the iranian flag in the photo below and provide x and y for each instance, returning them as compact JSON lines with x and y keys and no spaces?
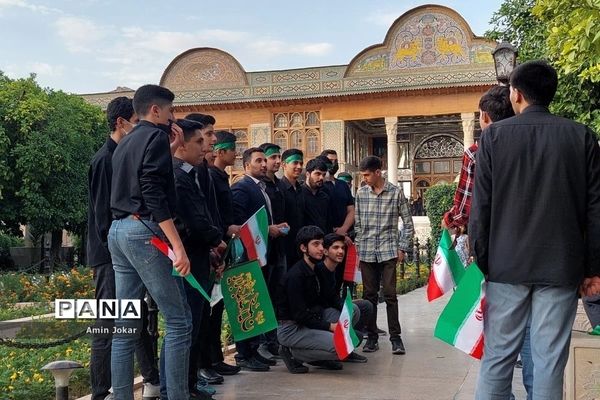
{"x":255,"y":234}
{"x":344,"y":337}
{"x":461,"y":322}
{"x":352,"y":269}
{"x":447,"y":269}
{"x":164,"y":248}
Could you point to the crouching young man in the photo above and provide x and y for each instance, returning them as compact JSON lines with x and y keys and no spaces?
{"x":334,"y":247}
{"x":306,"y":322}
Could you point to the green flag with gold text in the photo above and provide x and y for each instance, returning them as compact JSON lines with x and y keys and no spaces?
{"x":249,"y":308}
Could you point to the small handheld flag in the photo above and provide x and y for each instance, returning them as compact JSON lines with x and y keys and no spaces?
{"x":344,"y":337}
{"x":164,"y":248}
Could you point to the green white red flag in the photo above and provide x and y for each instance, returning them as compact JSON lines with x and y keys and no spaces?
{"x":344,"y":337}
{"x":352,"y":267}
{"x":447,"y":269}
{"x":164,"y":248}
{"x":461,"y":321}
{"x":254,"y":234}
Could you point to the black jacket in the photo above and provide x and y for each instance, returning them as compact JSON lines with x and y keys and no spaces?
{"x":247,"y":199}
{"x":193,"y":220}
{"x":535,"y":215}
{"x":208,"y":188}
{"x":99,"y":214}
{"x":220,"y":181}
{"x":142,"y":181}
{"x":299,"y":298}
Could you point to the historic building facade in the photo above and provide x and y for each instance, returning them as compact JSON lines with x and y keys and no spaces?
{"x":411,"y":100}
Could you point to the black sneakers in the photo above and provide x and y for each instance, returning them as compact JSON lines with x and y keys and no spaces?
{"x":267,"y":361}
{"x":223,"y":368}
{"x":293,"y":365}
{"x":397,"y":345}
{"x":252,"y":364}
{"x":356,"y":358}
{"x":371,"y":346}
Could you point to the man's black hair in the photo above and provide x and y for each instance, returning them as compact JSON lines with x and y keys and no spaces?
{"x":370,"y":163}
{"x":291,"y":152}
{"x":189,"y":128}
{"x":308,"y":233}
{"x":266,"y":146}
{"x":496,"y":103}
{"x":204,"y":119}
{"x":536,"y":80}
{"x":316,"y":164}
{"x":148,"y":95}
{"x":225,"y":137}
{"x":327,"y":152}
{"x":118,"y":107}
{"x":247,"y":156}
{"x":331,"y":238}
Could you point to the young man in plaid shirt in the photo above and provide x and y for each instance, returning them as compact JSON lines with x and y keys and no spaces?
{"x":381,"y":245}
{"x":494,"y":106}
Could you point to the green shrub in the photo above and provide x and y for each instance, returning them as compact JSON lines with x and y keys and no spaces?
{"x":438,"y":200}
{"x":78,"y":283}
{"x":6,"y":242}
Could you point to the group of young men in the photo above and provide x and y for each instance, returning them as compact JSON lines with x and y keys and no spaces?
{"x":157,"y":177}
{"x":534,"y":229}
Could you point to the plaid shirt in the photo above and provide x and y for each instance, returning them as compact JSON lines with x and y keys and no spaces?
{"x":376,"y":223}
{"x":459,"y":213}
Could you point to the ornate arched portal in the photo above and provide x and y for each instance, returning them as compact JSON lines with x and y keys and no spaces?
{"x":437,"y":160}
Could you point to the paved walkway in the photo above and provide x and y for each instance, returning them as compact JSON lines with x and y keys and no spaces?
{"x":430,"y":370}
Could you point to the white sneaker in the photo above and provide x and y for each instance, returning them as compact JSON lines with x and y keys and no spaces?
{"x":150,"y":391}
{"x":110,"y":397}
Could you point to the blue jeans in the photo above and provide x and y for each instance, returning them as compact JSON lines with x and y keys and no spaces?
{"x":137,"y":264}
{"x":508,"y":308}
{"x":527,"y":361}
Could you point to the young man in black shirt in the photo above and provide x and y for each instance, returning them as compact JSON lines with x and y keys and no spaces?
{"x":306,"y":320}
{"x":276,"y":263}
{"x":225,"y":154}
{"x":143,"y":203}
{"x":198,"y":232}
{"x":292,"y":161}
{"x":121,"y":120}
{"x":317,"y":209}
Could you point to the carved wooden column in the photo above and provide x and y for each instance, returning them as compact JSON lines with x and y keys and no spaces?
{"x":391,"y":127}
{"x":468,"y":123}
{"x":332,"y":137}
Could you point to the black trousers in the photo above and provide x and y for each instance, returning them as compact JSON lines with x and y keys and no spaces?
{"x":372,"y":274}
{"x":104,"y":279}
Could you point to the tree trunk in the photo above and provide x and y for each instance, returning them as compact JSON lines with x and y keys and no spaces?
{"x":55,"y":248}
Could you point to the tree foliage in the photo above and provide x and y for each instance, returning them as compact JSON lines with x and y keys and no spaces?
{"x":47,"y":139}
{"x":566,"y":33}
{"x":573,"y":35}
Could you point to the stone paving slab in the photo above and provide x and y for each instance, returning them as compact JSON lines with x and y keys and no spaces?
{"x":430,"y":370}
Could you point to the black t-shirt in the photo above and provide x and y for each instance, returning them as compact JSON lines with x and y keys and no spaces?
{"x":316,"y":208}
{"x":340,"y":197}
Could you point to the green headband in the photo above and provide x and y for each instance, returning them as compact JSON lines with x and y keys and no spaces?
{"x":272,"y":150}
{"x":224,"y":146}
{"x":292,"y":158}
{"x":345,"y":178}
